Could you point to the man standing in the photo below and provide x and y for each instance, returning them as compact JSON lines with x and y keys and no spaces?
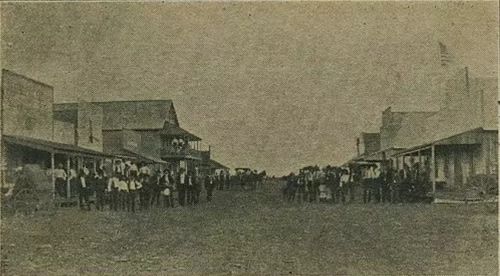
{"x":367,"y":184}
{"x":167,"y":184}
{"x":181,"y":186}
{"x":119,"y":167}
{"x":209,"y":186}
{"x":113,"y":191}
{"x":301,"y":187}
{"x":344,"y":184}
{"x":377,"y":183}
{"x":221,"y":180}
{"x":228,"y":180}
{"x":144,"y":171}
{"x":387,"y":179}
{"x":84,"y":190}
{"x":100,"y":189}
{"x":133,"y":187}
{"x":191,"y":188}
{"x":60,"y":177}
{"x":123,"y":193}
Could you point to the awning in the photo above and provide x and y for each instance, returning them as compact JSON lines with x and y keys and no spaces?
{"x":143,"y":156}
{"x":50,"y":146}
{"x":176,"y":131}
{"x":471,"y":137}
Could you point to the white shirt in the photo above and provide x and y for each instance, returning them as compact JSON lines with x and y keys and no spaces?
{"x":183,"y":178}
{"x":112,"y":182}
{"x":344,"y":179}
{"x":134,"y":185}
{"x":82,"y":180}
{"x":370,"y":173}
{"x":72,"y":174}
{"x":60,"y":173}
{"x":122,"y":186}
{"x":145,"y":170}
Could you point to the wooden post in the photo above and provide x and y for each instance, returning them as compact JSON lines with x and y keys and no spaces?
{"x":52,"y":167}
{"x":433,"y":168}
{"x":68,"y":174}
{"x":419,"y":160}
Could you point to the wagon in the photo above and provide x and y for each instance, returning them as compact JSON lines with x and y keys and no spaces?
{"x":31,"y":190}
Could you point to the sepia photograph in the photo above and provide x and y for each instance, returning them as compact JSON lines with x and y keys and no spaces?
{"x":249,"y":137}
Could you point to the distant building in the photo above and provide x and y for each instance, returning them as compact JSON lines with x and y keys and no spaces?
{"x":148,"y":131}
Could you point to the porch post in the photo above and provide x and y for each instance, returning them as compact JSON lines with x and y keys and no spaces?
{"x":433,"y":168}
{"x":419,"y":160}
{"x":52,"y":167}
{"x":68,"y":174}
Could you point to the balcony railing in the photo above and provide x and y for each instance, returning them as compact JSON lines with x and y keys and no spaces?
{"x":181,"y":153}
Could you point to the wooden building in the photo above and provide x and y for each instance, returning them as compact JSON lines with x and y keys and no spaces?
{"x":149,"y":130}
{"x":33,"y":134}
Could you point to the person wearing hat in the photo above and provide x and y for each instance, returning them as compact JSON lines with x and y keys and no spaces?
{"x":60,"y":180}
{"x":167,"y":186}
{"x":134,"y":186}
{"x":100,"y":189}
{"x":344,"y":184}
{"x":182,"y":180}
{"x":209,"y":186}
{"x":191,"y":188}
{"x":368,"y":179}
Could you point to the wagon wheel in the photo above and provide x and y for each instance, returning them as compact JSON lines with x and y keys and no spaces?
{"x":25,"y":200}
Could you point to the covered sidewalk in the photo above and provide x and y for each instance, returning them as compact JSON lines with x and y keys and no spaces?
{"x":25,"y":150}
{"x":451,"y":161}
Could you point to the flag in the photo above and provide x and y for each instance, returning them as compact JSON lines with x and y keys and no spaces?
{"x":444,"y":55}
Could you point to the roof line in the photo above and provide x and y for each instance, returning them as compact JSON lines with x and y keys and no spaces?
{"x":27,"y":78}
{"x":120,"y":101}
{"x":123,"y":101}
{"x":428,"y":144}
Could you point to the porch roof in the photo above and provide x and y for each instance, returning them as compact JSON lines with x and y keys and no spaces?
{"x":176,"y":131}
{"x":471,"y":137}
{"x":50,"y":146}
{"x":144,"y":157}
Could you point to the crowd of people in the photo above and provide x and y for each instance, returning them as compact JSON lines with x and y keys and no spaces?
{"x":132,"y":187}
{"x":371,"y":182}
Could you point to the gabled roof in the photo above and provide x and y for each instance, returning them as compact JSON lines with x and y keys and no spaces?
{"x":137,"y":115}
{"x":176,"y":131}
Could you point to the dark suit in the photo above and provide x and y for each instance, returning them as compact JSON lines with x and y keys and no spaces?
{"x":181,"y":188}
{"x":191,"y":188}
{"x":209,"y":186}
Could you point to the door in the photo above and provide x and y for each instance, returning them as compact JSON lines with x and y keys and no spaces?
{"x":457,"y":165}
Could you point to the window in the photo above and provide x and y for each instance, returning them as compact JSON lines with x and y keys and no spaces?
{"x":28,"y":123}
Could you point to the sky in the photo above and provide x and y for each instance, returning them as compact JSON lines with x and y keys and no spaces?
{"x":269,"y":85}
